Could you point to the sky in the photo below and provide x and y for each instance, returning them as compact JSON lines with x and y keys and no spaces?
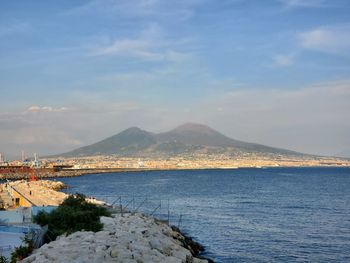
{"x":275,"y":72}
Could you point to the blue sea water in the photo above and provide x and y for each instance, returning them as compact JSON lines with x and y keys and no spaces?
{"x":247,"y":215}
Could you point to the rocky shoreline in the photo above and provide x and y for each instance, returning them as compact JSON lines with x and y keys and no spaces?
{"x":127,"y":237}
{"x":50,"y":173}
{"x":134,"y":238}
{"x":45,"y":173}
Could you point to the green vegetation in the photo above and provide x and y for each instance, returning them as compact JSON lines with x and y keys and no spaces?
{"x":22,"y":252}
{"x":3,"y":259}
{"x":74,"y":214}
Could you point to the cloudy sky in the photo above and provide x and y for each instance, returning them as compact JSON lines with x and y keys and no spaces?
{"x":275,"y":72}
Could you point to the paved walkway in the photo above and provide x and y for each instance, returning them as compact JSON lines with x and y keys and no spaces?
{"x":38,"y":194}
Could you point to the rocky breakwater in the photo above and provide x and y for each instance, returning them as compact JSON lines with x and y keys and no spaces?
{"x":36,"y":193}
{"x":13,"y":174}
{"x":53,"y":185}
{"x":131,"y":238}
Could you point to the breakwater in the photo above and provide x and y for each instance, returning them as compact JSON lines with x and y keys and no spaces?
{"x":130,"y":238}
{"x":126,"y":237}
{"x":21,"y":193}
{"x":43,"y":173}
{"x":246,"y":215}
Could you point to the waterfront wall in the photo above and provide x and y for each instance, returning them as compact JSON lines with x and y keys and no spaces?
{"x":22,"y":214}
{"x":16,"y":216}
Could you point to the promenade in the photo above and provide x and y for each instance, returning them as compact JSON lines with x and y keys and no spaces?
{"x":34,"y":193}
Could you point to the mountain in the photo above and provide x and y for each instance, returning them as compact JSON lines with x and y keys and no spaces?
{"x":199,"y":134}
{"x":129,"y":141}
{"x":188,"y":138}
{"x":196,"y":134}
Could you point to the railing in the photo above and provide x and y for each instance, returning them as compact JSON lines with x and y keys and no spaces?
{"x":159,"y":208}
{"x":5,"y":248}
{"x":179,"y":222}
{"x":155,"y":207}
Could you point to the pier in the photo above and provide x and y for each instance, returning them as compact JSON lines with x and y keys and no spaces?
{"x":27,"y":194}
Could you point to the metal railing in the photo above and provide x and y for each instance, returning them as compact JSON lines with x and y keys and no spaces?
{"x":155,"y":207}
{"x":5,"y":248}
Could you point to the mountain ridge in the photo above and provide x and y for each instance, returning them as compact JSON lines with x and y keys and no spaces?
{"x":189,"y":138}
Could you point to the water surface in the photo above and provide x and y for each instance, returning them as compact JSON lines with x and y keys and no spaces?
{"x":246,"y":215}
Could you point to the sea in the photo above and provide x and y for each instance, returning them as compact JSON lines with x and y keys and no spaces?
{"x":241,"y":215}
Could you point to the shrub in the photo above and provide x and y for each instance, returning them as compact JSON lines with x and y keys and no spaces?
{"x":3,"y":259}
{"x":22,"y":252}
{"x":74,"y":214}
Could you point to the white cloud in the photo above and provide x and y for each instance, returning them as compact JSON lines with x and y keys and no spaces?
{"x":312,"y":119}
{"x":35,"y":109}
{"x":114,"y":6}
{"x":14,"y":27}
{"x":334,"y":39}
{"x":150,"y":45}
{"x":33,"y":132}
{"x":305,"y":3}
{"x":124,"y":46}
{"x":284,"y":60}
{"x":42,"y":135}
{"x":178,"y":10}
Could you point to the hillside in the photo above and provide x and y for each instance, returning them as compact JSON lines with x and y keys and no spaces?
{"x":127,"y":142}
{"x":189,"y":138}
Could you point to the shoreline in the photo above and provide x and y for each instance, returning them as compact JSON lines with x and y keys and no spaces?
{"x":81,"y":172}
{"x":131,"y":222}
{"x":133,"y":237}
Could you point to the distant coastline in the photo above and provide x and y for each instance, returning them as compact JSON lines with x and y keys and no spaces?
{"x":190,"y":146}
{"x":51,"y":173}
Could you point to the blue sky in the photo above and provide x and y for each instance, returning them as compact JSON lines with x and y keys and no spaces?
{"x":273,"y":71}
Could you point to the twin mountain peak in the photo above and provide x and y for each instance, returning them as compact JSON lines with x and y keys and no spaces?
{"x":187,"y":139}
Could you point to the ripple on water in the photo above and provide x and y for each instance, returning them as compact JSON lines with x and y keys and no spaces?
{"x":248,"y":215}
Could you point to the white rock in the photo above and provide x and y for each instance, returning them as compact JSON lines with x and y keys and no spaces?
{"x":114,"y":252}
{"x":133,"y":238}
{"x":198,"y":260}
